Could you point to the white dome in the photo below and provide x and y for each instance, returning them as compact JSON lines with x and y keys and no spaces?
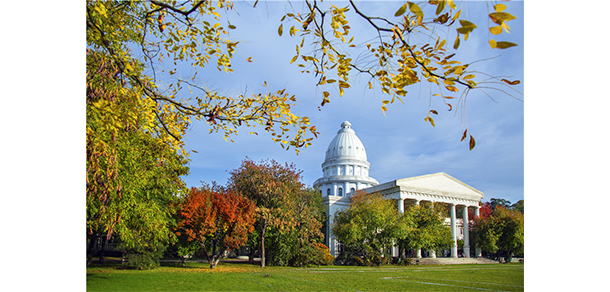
{"x":345,"y":145}
{"x":345,"y":166}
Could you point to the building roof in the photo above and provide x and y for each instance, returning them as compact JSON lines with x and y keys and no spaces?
{"x":439,"y":187}
{"x":346,"y":145}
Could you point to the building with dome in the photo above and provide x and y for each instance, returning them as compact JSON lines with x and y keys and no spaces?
{"x":346,"y":169}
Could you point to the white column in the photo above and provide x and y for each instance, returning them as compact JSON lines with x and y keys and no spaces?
{"x":418,"y":252}
{"x":477,"y":249}
{"x":401,"y":205}
{"x":466,"y":234}
{"x":453,"y":232}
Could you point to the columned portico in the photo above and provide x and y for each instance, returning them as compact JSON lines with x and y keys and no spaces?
{"x":436,"y":188}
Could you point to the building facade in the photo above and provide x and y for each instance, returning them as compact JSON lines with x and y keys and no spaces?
{"x":346,"y":169}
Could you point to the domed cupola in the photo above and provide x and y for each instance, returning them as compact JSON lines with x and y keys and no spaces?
{"x":345,"y":144}
{"x":345,"y":166}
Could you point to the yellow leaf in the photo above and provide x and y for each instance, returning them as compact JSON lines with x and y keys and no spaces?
{"x":493,"y":44}
{"x":294,"y":59}
{"x":504,"y":45}
{"x":280,"y":29}
{"x":457,"y":14}
{"x":496,"y":30}
{"x":499,"y":17}
{"x":467,"y":27}
{"x":401,"y":10}
{"x":456,"y":44}
{"x":415,"y":9}
{"x":429,"y":119}
{"x":500,"y":7}
{"x":440,"y":7}
{"x":452,"y":88}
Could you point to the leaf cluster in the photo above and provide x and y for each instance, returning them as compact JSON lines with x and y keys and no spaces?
{"x":368,"y":225}
{"x":217,"y":218}
{"x":502,"y":232}
{"x":170,"y":34}
{"x":288,"y":215}
{"x":402,"y":51}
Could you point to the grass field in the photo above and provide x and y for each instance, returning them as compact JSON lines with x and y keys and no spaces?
{"x":244,"y":277}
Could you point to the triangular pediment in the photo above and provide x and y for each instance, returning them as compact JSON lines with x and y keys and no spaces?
{"x":440,"y":184}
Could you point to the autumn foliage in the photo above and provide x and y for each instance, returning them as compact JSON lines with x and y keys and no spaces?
{"x":217,"y":218}
{"x":288,"y":216}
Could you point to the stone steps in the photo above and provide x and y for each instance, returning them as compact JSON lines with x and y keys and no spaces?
{"x":454,"y":261}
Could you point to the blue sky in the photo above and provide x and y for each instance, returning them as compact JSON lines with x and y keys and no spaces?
{"x":399,"y":144}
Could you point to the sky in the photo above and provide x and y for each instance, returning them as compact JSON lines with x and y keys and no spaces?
{"x":400,"y":143}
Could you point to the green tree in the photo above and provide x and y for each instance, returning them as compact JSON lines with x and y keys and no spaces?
{"x":269,"y":185}
{"x":501,"y":234}
{"x":132,"y":177}
{"x":423,"y":227}
{"x":135,"y":152}
{"x":519,"y":206}
{"x":296,"y":244}
{"x":367,"y":227}
{"x":495,"y":202}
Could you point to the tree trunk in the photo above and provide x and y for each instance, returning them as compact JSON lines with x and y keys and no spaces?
{"x":251,"y":255}
{"x":103,"y":249}
{"x":124,"y":259}
{"x":263,"y":244}
{"x":90,"y":251}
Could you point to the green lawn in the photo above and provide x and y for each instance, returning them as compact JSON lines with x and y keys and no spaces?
{"x":244,"y":277}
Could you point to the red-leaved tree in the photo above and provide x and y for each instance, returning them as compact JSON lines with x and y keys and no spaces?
{"x":217,"y":218}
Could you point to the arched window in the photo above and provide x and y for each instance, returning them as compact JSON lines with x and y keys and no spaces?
{"x":340,"y":192}
{"x":352,"y":190}
{"x":328,"y":192}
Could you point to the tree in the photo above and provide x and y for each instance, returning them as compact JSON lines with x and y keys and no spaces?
{"x":400,"y":51}
{"x":501,"y":234}
{"x":519,"y":206}
{"x":217,"y":218}
{"x":367,"y":227}
{"x":423,"y":227}
{"x":143,"y":38}
{"x":495,"y":202}
{"x":296,"y":243}
{"x":135,"y":151}
{"x":131,"y":175}
{"x":268,"y":184}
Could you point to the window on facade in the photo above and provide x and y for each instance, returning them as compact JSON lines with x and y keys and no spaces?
{"x":352,"y":190}
{"x":328,"y":192}
{"x":340,"y":192}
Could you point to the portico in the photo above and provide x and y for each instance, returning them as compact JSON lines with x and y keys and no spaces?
{"x":436,"y":188}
